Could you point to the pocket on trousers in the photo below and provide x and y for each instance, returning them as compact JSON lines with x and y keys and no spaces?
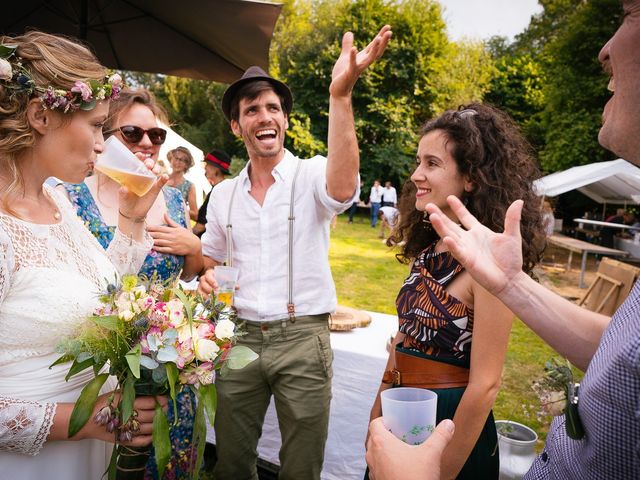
{"x":325,"y":353}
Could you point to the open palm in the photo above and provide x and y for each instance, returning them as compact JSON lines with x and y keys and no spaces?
{"x":492,"y":259}
{"x":351,"y":63}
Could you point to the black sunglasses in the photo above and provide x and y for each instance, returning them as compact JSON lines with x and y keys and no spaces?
{"x":133,"y":134}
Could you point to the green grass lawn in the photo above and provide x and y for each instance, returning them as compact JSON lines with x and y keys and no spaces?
{"x":368,"y":276}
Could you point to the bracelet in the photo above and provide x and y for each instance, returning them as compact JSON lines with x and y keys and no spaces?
{"x":133,"y":219}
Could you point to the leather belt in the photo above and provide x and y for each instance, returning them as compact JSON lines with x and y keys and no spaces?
{"x":413,"y":371}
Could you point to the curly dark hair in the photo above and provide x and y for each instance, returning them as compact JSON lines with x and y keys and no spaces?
{"x":490,"y":151}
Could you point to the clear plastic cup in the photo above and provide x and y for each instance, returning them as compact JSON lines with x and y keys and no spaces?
{"x":409,"y":413}
{"x":227,"y":277}
{"x":120,"y":164}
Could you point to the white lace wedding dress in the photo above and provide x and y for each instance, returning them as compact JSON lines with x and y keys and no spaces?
{"x":50,"y":276}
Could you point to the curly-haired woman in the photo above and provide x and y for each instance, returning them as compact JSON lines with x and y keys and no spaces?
{"x":453,"y":334}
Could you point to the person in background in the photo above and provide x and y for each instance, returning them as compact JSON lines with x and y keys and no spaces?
{"x":216,"y":167}
{"x":133,"y":119}
{"x":264,"y":222}
{"x":375,"y":201}
{"x":548,"y":219}
{"x":355,"y":201}
{"x":388,"y":219}
{"x":606,"y":348}
{"x":54,"y":99}
{"x":607,"y":233}
{"x":181,"y":161}
{"x":389,"y":195}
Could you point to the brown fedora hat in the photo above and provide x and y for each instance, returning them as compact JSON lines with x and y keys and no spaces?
{"x":253,"y":74}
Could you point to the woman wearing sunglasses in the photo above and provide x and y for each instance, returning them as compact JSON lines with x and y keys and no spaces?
{"x":176,"y":250}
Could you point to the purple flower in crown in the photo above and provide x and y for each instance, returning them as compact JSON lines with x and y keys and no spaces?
{"x":83,"y":89}
{"x":49,"y":98}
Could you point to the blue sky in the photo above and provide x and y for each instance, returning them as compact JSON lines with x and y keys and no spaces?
{"x":481,"y":19}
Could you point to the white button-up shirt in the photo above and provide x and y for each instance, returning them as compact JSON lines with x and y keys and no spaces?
{"x":260,"y":240}
{"x":389,"y":195}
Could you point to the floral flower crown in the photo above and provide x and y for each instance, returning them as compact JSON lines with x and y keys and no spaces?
{"x":84,"y":95}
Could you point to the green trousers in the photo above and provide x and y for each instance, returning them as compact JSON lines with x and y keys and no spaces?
{"x":294,"y":366}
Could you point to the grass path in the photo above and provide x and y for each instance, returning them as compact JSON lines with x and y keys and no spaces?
{"x":368,"y":277}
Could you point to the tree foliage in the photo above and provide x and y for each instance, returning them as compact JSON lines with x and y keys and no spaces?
{"x":420,"y":74}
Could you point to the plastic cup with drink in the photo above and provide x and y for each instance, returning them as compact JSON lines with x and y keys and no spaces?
{"x":409,"y":413}
{"x":120,"y":164}
{"x":227,"y":277}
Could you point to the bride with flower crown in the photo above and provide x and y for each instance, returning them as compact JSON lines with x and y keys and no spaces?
{"x":54,"y":99}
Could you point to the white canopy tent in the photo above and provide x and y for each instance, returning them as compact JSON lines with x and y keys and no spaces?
{"x":615,"y":182}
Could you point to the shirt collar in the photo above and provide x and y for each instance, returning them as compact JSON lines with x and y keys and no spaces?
{"x":280,"y":172}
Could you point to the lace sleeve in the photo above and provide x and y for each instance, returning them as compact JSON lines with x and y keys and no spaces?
{"x":126,"y":254}
{"x":7,"y":263}
{"x":24,"y":425}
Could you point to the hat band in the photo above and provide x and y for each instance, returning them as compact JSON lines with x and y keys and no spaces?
{"x":215,"y":159}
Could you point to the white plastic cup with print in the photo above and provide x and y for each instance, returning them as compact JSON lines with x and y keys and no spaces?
{"x":409,"y":413}
{"x":120,"y":164}
{"x":227,"y":277}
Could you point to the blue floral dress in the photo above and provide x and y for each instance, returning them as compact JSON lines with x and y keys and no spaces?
{"x":165,"y":267}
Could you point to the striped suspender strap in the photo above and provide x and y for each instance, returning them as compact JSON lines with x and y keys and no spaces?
{"x":291,"y":310}
{"x":229,"y":226}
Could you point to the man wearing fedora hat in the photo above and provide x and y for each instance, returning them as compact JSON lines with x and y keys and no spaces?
{"x":216,"y":167}
{"x":272,"y":223}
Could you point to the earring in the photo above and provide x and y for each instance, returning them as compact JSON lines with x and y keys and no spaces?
{"x":426,"y":223}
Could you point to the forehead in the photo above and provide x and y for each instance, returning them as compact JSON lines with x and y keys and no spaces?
{"x":138,"y":115}
{"x":265,"y":97}
{"x":435,"y":142}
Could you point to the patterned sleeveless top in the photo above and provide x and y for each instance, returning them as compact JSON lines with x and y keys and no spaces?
{"x":436,"y":324}
{"x":184,"y":188}
{"x":165,"y":266}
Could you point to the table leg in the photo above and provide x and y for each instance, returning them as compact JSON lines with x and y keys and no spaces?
{"x":569,"y":261}
{"x":583,"y":267}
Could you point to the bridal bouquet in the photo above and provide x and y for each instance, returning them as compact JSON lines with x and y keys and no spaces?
{"x":154,"y":340}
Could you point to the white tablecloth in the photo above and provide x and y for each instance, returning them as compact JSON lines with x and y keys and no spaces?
{"x":360,"y":357}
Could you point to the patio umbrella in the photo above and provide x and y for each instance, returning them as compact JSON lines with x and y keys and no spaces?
{"x":201,"y":39}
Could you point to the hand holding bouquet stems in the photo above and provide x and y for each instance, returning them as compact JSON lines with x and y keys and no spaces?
{"x":155,"y":340}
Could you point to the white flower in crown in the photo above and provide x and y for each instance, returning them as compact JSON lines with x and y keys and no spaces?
{"x":6,"y":72}
{"x":116,"y":81}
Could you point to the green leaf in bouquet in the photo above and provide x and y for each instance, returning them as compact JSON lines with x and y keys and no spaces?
{"x":128,"y":397}
{"x":161,"y":441}
{"x":133,"y":360}
{"x":98,"y":365}
{"x":111,"y":469}
{"x":199,"y":438}
{"x":66,"y":358}
{"x":110,"y":322}
{"x":172,"y":376}
{"x":239,"y":357}
{"x":159,"y":375}
{"x":78,"y":366}
{"x":86,"y":401}
{"x":209,"y":398}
